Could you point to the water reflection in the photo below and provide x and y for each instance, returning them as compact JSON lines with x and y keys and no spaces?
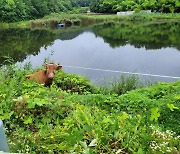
{"x":145,"y":48}
{"x":18,"y":44}
{"x":150,"y":36}
{"x":94,"y":53}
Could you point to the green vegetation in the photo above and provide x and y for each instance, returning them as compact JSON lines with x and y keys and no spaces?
{"x":122,"y":85}
{"x":74,"y":116}
{"x":50,"y":21}
{"x":92,"y":19}
{"x":23,"y":10}
{"x":113,"y":6}
{"x":20,"y":10}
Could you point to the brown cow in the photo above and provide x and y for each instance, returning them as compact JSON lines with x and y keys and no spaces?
{"x":45,"y":76}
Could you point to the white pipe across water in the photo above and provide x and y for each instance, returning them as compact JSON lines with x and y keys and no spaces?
{"x":123,"y":72}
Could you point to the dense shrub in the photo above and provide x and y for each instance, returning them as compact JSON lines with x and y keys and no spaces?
{"x":20,"y":10}
{"x":113,"y":6}
{"x":73,"y":83}
{"x":50,"y":120}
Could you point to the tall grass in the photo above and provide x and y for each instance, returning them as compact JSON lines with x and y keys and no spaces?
{"x":122,"y":85}
{"x":89,"y":19}
{"x":92,"y":18}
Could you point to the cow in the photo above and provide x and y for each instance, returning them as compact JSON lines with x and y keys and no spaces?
{"x":45,"y":76}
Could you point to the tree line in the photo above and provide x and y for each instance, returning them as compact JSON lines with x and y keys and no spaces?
{"x":20,"y":10}
{"x":113,"y":6}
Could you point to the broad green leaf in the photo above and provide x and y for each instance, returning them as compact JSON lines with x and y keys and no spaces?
{"x":154,"y":114}
{"x":107,"y":120}
{"x":177,"y":97}
{"x":88,"y":151}
{"x":31,"y":104}
{"x":38,"y":101}
{"x":140,"y":151}
{"x":62,"y":146}
{"x":125,"y":115}
{"x":28,"y":121}
{"x":172,"y":107}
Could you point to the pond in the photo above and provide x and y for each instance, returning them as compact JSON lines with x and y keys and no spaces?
{"x":101,"y":51}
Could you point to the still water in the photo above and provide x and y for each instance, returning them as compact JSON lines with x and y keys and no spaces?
{"x":151,"y":48}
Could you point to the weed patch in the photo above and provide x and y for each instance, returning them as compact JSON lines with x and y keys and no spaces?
{"x":72,"y":116}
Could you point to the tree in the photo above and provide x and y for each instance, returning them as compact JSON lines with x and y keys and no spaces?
{"x":112,"y":6}
{"x":12,"y":10}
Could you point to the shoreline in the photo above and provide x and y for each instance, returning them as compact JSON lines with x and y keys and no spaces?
{"x":89,"y":19}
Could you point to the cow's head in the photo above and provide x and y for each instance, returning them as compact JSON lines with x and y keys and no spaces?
{"x":51,"y":69}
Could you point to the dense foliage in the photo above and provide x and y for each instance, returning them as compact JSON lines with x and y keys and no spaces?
{"x":19,"y":10}
{"x":78,"y":117}
{"x":113,"y":6}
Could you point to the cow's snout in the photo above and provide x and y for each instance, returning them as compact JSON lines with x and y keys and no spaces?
{"x":51,"y":75}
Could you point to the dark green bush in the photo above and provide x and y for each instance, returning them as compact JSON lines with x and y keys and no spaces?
{"x":50,"y":120}
{"x":73,"y":83}
{"x":113,"y":6}
{"x":20,"y":10}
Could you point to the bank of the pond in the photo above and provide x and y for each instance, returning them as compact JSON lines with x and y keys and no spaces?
{"x":23,"y":24}
{"x":75,"y":116}
{"x":90,"y":19}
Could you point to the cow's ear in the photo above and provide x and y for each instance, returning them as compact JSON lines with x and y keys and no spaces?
{"x":58,"y":67}
{"x":46,"y":66}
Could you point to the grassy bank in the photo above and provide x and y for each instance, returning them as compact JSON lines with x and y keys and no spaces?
{"x":90,"y":19}
{"x":74,"y":116}
{"x":23,"y":24}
